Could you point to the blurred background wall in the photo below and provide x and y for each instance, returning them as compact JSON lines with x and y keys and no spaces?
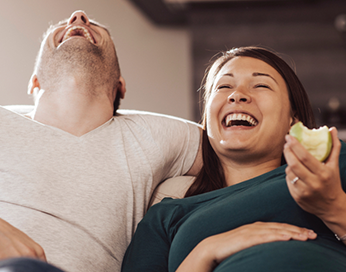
{"x":164,"y":46}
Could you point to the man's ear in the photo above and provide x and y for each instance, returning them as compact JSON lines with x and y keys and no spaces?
{"x":121,"y":88}
{"x":34,"y":85}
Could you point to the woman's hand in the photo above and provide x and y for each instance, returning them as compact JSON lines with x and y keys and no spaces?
{"x":318,"y":187}
{"x":214,"y":249}
{"x":14,"y":243}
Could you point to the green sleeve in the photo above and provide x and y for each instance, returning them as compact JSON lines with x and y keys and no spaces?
{"x":150,"y":245}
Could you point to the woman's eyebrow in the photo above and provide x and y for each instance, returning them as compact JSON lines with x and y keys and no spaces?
{"x":254,"y":74}
{"x":263,"y":74}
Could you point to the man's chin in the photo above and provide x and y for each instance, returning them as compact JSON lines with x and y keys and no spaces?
{"x":75,"y":46}
{"x":79,"y":59}
{"x":78,"y":56}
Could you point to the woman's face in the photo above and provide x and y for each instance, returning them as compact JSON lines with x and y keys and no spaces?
{"x":248,"y":112}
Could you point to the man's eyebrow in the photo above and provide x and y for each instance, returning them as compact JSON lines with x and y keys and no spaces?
{"x":263,"y":74}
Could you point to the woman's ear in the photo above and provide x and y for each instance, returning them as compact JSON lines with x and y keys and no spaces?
{"x":294,"y":120}
{"x":34,"y":85}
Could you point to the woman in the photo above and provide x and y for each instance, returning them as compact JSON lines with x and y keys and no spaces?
{"x":247,"y":209}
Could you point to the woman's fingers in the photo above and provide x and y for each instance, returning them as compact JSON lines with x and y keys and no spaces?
{"x":336,"y":147}
{"x":303,"y":164}
{"x":304,"y":167}
{"x":268,"y":232}
{"x":226,"y":244}
{"x":298,"y":157}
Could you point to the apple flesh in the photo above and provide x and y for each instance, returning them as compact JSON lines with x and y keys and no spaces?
{"x":317,"y":141}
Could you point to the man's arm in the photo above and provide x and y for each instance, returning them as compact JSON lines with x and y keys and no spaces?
{"x":176,"y":187}
{"x":198,"y":163}
{"x":15,"y":243}
{"x":173,"y":187}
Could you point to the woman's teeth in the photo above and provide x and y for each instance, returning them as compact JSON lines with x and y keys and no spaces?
{"x":240,"y":119}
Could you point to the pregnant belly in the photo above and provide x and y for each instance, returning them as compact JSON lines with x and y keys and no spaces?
{"x":290,"y":256}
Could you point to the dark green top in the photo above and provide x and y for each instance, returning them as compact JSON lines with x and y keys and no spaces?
{"x":172,"y":228}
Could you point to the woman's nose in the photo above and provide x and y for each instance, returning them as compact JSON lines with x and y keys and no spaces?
{"x":239,"y":97}
{"x":79,"y":17}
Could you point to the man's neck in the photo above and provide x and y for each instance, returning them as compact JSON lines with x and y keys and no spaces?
{"x":73,"y":110}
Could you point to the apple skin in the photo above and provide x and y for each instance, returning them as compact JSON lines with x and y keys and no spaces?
{"x":317,"y":141}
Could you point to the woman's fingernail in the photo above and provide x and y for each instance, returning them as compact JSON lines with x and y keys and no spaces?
{"x":311,"y":233}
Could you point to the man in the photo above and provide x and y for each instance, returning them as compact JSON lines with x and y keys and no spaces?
{"x":76,"y":180}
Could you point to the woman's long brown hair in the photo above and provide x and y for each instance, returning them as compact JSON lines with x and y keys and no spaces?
{"x":211,"y":176}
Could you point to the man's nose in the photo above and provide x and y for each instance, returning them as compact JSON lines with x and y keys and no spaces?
{"x":79,"y":17}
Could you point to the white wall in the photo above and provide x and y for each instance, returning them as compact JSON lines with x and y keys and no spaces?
{"x":155,"y":62}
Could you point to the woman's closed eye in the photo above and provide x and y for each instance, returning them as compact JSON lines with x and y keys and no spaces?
{"x":224,"y":87}
{"x":262,"y":86}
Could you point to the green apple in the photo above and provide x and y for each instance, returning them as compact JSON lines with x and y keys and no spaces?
{"x":317,"y":141}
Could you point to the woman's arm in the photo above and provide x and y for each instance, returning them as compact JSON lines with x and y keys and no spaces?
{"x":318,"y":189}
{"x":214,"y":249}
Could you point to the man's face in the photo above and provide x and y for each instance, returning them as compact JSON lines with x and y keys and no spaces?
{"x":79,"y":47}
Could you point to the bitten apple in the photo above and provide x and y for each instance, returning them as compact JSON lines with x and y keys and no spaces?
{"x":317,"y":141}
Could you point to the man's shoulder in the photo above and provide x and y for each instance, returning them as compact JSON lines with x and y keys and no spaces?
{"x":151,"y":117}
{"x":21,"y":109}
{"x":140,"y":113}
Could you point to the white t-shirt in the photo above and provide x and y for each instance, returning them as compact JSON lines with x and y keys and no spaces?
{"x":81,"y":198}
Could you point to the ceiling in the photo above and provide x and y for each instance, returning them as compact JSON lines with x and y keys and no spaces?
{"x":175,"y":12}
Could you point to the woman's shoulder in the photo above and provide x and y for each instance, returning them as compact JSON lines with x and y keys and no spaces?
{"x":169,"y":207}
{"x":164,"y":215}
{"x":171,"y":210}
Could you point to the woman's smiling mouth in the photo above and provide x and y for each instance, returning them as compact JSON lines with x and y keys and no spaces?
{"x":240,"y":119}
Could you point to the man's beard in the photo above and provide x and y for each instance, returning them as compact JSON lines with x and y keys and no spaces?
{"x":82,"y":60}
